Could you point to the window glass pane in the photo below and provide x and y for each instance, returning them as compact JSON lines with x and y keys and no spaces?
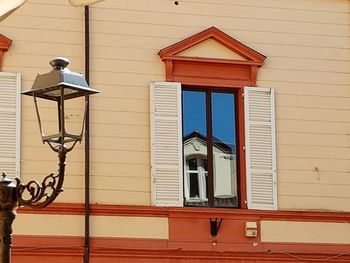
{"x":224,"y":150}
{"x":195,"y":148}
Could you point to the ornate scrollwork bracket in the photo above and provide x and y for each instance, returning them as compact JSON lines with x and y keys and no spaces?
{"x":36,"y":195}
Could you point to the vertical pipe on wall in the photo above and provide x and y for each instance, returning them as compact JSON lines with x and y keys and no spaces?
{"x":87,"y":140}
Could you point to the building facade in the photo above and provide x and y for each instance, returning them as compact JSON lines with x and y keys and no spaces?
{"x":221,"y":133}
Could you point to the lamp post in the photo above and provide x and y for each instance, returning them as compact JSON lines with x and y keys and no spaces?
{"x":57,"y":86}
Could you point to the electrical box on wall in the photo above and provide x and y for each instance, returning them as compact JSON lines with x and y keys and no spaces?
{"x":251,"y":229}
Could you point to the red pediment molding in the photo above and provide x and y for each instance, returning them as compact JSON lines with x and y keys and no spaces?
{"x":211,"y":71}
{"x":5,"y":43}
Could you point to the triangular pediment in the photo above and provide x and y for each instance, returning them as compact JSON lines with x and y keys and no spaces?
{"x":214,"y":44}
{"x":211,"y":49}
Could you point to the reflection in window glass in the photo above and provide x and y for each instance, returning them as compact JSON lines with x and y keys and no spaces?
{"x":224,"y":152}
{"x":195,"y":148}
{"x":221,"y":189}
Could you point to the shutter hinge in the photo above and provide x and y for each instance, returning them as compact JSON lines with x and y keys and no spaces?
{"x":243,"y":148}
{"x":242,"y":95}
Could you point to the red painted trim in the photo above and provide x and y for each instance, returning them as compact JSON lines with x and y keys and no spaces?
{"x":116,"y":210}
{"x":5,"y":43}
{"x":62,"y":249}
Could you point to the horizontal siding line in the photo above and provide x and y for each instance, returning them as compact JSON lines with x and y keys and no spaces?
{"x":315,"y":196}
{"x":316,"y":108}
{"x":41,"y":42}
{"x":253,"y":6}
{"x":216,"y":16}
{"x":310,"y":157}
{"x":278,"y":93}
{"x":313,"y":184}
{"x":36,"y":29}
{"x":211,"y":16}
{"x":307,"y":59}
{"x":267,"y":7}
{"x":56,"y":17}
{"x":308,"y":70}
{"x":305,"y":82}
{"x":222,"y":28}
{"x":121,"y":163}
{"x":312,"y":170}
{"x":119,"y":190}
{"x":98,"y":175}
{"x":309,"y":145}
{"x":313,"y":107}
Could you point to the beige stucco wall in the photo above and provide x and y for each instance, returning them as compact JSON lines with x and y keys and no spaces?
{"x":307,"y":49}
{"x":305,"y":232}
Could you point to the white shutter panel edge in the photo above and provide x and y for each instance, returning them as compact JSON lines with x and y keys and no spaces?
{"x":10,"y":119}
{"x":166,"y":144}
{"x":260,"y":139}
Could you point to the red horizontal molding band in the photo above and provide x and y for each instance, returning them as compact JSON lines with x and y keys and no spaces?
{"x":142,"y":250}
{"x":190,"y":212}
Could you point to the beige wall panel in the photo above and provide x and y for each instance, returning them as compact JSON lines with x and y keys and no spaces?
{"x":308,"y":151}
{"x":43,"y":225}
{"x":310,"y":126}
{"x":306,"y":89}
{"x":309,"y":52}
{"x":316,"y":102}
{"x":314,"y":190}
{"x":306,"y":232}
{"x":312,"y":114}
{"x":168,"y":17}
{"x":122,"y":142}
{"x":130,"y":227}
{"x":118,"y":182}
{"x":313,"y":139}
{"x":307,"y":45}
{"x":116,"y":131}
{"x":120,"y":104}
{"x":117,"y":65}
{"x":120,"y":169}
{"x":122,"y":91}
{"x":119,"y":197}
{"x":313,"y":203}
{"x":308,"y":65}
{"x":303,"y":76}
{"x":111,"y":156}
{"x":313,"y":176}
{"x":301,"y":163}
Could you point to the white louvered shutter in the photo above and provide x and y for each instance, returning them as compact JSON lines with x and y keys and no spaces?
{"x":10,"y":123}
{"x":166,"y":144}
{"x":259,"y":110}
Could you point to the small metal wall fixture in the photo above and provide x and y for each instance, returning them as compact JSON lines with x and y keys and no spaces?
{"x":215,"y":224}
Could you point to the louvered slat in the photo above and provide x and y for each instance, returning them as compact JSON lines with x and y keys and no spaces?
{"x":166,"y":142}
{"x":9,"y":123}
{"x":260,"y":148}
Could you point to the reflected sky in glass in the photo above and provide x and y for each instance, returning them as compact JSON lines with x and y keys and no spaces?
{"x":223,"y":118}
{"x":223,"y":115}
{"x":194,"y":112}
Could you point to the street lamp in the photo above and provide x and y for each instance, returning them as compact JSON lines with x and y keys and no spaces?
{"x":57,"y":86}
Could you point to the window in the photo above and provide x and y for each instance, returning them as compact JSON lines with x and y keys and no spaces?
{"x":212,"y":130}
{"x":209,"y":148}
{"x":185,"y":172}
